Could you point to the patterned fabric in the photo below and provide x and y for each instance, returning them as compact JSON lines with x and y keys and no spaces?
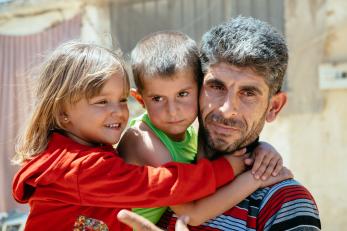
{"x":84,"y":223}
{"x":284,"y":206}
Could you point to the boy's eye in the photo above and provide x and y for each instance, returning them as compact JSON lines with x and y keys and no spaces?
{"x":183,"y":94}
{"x":157,"y":98}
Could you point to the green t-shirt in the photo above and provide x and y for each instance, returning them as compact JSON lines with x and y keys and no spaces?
{"x":182,"y":151}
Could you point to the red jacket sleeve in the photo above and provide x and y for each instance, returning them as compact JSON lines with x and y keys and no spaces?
{"x":110,"y":182}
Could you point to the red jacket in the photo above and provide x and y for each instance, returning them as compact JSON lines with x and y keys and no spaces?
{"x":72,"y":186}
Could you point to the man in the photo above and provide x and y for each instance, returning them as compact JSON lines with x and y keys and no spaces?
{"x":244,"y":62}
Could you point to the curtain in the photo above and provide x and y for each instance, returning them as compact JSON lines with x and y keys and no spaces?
{"x":19,"y":55}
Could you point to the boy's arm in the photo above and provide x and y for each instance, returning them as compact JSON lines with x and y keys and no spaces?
{"x":141,"y":147}
{"x":226,"y":197}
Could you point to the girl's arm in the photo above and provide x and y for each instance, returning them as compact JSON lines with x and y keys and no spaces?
{"x":226,"y":197}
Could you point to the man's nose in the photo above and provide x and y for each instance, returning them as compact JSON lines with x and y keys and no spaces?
{"x":229,"y":106}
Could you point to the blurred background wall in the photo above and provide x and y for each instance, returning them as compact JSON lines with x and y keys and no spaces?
{"x":310,"y":133}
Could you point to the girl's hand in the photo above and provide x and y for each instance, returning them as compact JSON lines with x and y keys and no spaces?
{"x":284,"y":174}
{"x":267,"y":161}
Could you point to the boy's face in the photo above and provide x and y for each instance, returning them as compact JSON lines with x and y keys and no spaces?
{"x":101,"y":119}
{"x":172,"y":102}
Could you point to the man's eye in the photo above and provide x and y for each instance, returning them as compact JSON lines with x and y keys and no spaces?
{"x":248,"y":93}
{"x":217,"y":87}
{"x":183,"y":94}
{"x":157,"y":98}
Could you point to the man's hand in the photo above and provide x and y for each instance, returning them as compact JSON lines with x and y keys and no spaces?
{"x":142,"y":224}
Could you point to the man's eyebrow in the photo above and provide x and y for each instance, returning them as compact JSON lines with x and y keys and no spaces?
{"x":214,"y":81}
{"x":251,"y":88}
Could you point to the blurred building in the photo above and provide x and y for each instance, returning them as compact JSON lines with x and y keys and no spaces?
{"x":311,"y":131}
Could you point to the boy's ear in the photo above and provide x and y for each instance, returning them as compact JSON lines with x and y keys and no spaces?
{"x":138,"y":97}
{"x":277,"y":102}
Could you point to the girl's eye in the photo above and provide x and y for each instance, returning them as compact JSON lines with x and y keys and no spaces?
{"x":102,"y":102}
{"x":125,"y":100}
{"x":157,"y":98}
{"x":183,"y":94}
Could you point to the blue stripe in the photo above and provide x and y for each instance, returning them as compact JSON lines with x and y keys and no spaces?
{"x":275,"y":188}
{"x":298,"y":204}
{"x":224,"y":222}
{"x":292,"y":209}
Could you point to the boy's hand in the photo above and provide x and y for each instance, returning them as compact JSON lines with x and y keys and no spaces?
{"x":284,"y":174}
{"x":267,"y":161}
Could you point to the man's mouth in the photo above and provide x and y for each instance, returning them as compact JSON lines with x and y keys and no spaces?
{"x":223,"y":129}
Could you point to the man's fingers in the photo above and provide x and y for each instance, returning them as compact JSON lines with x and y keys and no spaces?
{"x":181,"y":224}
{"x":135,"y":221}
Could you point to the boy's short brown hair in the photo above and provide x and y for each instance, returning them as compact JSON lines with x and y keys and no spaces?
{"x":162,"y":54}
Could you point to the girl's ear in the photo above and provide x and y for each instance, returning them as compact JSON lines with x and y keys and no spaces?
{"x":276,"y":104}
{"x":134,"y":93}
{"x":63,"y":118}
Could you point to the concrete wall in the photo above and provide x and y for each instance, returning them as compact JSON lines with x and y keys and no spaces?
{"x":34,"y":18}
{"x":311,"y":133}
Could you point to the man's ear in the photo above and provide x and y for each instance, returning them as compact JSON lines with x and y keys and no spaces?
{"x":277,"y":102}
{"x":138,"y":97}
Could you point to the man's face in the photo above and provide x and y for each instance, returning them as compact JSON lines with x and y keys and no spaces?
{"x":234,"y":104}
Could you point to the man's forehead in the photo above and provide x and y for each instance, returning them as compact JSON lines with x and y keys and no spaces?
{"x":226,"y":72}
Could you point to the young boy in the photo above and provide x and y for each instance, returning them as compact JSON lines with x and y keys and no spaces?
{"x":167,"y":75}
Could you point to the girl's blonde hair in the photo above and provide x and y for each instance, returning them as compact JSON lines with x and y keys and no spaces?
{"x":73,"y":71}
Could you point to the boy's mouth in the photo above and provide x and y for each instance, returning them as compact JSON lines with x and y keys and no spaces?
{"x":175,"y":122}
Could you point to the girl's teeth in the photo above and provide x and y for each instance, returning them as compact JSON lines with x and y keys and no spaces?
{"x":113,"y":125}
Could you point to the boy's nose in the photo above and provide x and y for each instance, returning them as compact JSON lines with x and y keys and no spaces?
{"x":172,"y":108}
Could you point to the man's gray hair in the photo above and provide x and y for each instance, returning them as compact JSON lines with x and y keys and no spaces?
{"x":247,"y":42}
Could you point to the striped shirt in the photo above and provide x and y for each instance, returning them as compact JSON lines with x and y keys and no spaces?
{"x":283,"y":206}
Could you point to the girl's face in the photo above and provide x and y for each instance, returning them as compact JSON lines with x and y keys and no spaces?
{"x":101,"y":119}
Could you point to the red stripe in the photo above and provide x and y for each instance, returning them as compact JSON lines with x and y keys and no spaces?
{"x":286,"y":194}
{"x":242,"y":214}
